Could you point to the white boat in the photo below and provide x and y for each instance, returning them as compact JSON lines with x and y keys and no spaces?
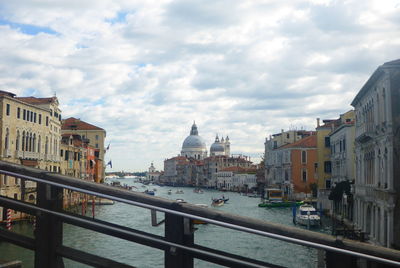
{"x":308,"y":215}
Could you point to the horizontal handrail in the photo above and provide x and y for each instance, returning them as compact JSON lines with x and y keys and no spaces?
{"x":285,"y":233}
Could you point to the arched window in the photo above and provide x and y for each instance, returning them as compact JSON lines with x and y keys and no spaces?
{"x":46,"y":146}
{"x":30,"y":142}
{"x":17,"y":141}
{"x":27,"y":142}
{"x":23,"y":141}
{"x":34,"y":143}
{"x":7,"y":140}
{"x":39,"y":144}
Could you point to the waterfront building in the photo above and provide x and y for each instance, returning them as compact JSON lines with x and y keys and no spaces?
{"x":214,"y":164}
{"x":194,"y":146}
{"x":343,"y":163}
{"x":152,"y":174}
{"x":174,"y":169}
{"x":272,"y":157}
{"x":295,"y":169}
{"x":236,"y":179}
{"x":95,"y":136}
{"x":323,"y":165}
{"x":377,"y":147}
{"x":30,"y":135}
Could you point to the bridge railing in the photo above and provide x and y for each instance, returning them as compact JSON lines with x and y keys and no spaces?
{"x":178,"y":240}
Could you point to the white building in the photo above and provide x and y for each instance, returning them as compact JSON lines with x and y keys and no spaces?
{"x":377,"y":147}
{"x":194,"y":146}
{"x":236,"y":178}
{"x":342,"y":159}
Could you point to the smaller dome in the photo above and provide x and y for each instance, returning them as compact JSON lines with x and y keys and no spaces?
{"x":217,"y":147}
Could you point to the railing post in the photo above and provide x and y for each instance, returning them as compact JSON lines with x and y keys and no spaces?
{"x":178,"y":230}
{"x":334,"y":259}
{"x":48,"y":233}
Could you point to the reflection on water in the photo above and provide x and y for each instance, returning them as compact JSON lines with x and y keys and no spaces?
{"x":248,"y":245}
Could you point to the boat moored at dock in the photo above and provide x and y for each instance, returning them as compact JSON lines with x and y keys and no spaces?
{"x":308,"y":215}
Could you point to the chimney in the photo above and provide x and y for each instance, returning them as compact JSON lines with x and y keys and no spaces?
{"x":318,"y":124}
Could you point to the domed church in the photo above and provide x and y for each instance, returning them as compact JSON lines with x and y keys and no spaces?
{"x":220,"y":147}
{"x":194,"y":146}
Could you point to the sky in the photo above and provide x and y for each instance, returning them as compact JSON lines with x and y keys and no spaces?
{"x":145,"y":70}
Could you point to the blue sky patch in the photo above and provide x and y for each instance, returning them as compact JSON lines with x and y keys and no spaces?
{"x":120,"y":18}
{"x":28,"y":28}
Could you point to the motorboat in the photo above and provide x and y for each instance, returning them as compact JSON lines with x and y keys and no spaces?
{"x":307,"y":215}
{"x":169,"y":192}
{"x":149,"y":192}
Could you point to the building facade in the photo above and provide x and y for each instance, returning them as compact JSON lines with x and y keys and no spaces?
{"x":95,"y":137}
{"x":30,"y":135}
{"x":377,"y":147}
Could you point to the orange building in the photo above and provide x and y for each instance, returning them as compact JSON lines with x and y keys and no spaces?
{"x":300,"y":166}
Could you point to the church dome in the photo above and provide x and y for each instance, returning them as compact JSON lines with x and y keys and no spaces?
{"x":194,"y":145}
{"x":193,"y":141}
{"x":217,"y":147}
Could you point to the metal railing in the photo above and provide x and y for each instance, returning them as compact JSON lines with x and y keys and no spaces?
{"x":178,"y":241}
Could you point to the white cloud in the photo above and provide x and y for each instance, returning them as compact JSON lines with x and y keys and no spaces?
{"x":144,"y":70}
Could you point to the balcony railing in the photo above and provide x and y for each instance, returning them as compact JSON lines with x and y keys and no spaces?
{"x":178,"y":243}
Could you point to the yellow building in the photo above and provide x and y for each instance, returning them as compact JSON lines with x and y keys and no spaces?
{"x":30,"y":135}
{"x":95,"y":136}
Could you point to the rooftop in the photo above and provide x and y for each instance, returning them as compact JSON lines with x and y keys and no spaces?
{"x":77,"y":124}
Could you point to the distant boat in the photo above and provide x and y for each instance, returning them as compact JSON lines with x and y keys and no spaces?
{"x":274,"y":199}
{"x":198,"y":191}
{"x":179,"y":192}
{"x":149,"y":192}
{"x":169,"y":192}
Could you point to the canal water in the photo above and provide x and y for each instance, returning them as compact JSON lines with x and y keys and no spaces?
{"x":252,"y":246}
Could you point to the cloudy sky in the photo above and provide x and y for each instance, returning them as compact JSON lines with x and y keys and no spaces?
{"x":145,"y":70}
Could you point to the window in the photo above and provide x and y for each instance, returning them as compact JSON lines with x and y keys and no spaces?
{"x":303,"y":157}
{"x":327,"y":142}
{"x":27,"y":115}
{"x":8,"y":109}
{"x":97,"y":145}
{"x":287,"y":135}
{"x":344,"y":145}
{"x":47,"y":120}
{"x":18,"y":112}
{"x":31,"y":117}
{"x":328,"y":184}
{"x":97,"y":137}
{"x":24,"y":114}
{"x":275,"y":144}
{"x":40,"y":119}
{"x":62,"y":153}
{"x":34,"y":117}
{"x":304,"y":175}
{"x":327,"y":166}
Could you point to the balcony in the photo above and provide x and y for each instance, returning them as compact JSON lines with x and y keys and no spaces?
{"x":365,"y":132}
{"x":31,"y":155}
